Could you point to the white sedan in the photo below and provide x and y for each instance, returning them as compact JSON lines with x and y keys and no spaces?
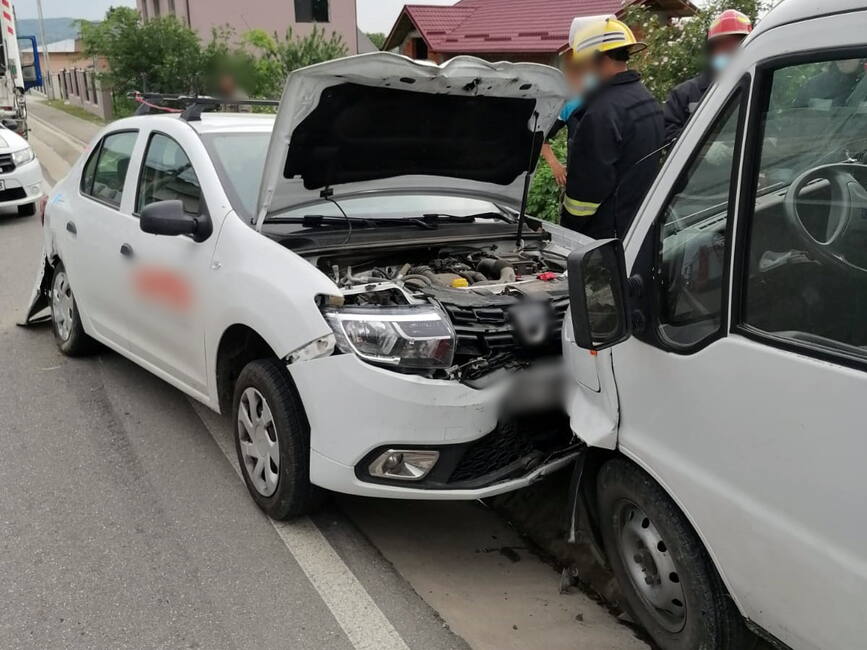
{"x":20,"y":174}
{"x":346,"y":279}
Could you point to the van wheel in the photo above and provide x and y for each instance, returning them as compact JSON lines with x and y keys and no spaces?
{"x":669,"y":584}
{"x":65,"y":318}
{"x":272,"y":440}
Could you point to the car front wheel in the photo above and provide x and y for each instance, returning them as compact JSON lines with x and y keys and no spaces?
{"x":669,"y":583}
{"x":272,"y":440}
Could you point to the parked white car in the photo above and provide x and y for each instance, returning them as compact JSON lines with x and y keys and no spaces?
{"x":20,"y":174}
{"x":725,"y":478}
{"x":345,"y":279}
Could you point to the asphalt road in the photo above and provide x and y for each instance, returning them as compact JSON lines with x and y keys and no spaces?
{"x":123,"y":522}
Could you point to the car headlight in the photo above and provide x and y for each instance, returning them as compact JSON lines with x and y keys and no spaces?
{"x":415,"y":336}
{"x":23,"y":156}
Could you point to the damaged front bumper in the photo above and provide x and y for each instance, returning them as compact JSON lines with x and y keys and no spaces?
{"x":358,"y":411}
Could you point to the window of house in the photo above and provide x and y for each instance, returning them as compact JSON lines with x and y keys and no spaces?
{"x":693,"y":235}
{"x":167,"y":174}
{"x":105,"y":172}
{"x":806,"y":255}
{"x":419,"y":49}
{"x":312,"y":11}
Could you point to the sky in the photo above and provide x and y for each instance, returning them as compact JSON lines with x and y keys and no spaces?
{"x":373,"y":15}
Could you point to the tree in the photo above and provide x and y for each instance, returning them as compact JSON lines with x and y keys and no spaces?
{"x":275,"y":58}
{"x":158,"y":55}
{"x":377,"y":38}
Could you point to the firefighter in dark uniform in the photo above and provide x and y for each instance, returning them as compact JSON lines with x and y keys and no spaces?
{"x":833,"y":87}
{"x":725,"y":35}
{"x":614,"y":155}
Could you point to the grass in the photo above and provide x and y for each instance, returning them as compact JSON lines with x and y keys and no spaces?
{"x":76,"y":111}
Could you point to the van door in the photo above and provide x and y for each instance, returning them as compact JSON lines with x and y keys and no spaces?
{"x":744,"y":396}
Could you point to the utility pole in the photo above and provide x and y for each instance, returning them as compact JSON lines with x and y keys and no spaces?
{"x":45,"y":56}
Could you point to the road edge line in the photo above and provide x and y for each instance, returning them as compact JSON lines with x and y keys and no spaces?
{"x":364,"y":623}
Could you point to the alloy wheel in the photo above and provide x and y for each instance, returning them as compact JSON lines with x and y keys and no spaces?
{"x":260,"y":449}
{"x":62,"y":306}
{"x":650,"y":567}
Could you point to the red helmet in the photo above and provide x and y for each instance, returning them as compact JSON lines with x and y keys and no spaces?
{"x":730,"y":23}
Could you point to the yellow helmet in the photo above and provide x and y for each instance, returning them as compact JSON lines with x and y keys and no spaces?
{"x":592,"y":34}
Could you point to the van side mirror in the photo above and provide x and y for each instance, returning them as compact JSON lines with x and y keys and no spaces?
{"x":169,"y":218}
{"x":598,"y":292}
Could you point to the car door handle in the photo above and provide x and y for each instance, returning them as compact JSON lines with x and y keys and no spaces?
{"x":126,"y":250}
{"x":70,"y":227}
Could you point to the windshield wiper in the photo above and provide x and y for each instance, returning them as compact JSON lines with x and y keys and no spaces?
{"x":469,"y":218}
{"x":426,"y":222}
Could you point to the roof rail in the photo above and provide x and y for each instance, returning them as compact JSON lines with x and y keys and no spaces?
{"x":193,"y":111}
{"x":190,"y":107}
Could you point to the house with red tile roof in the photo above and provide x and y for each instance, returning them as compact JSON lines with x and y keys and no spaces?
{"x":511,"y":30}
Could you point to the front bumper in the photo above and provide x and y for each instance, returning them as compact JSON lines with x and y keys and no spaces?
{"x":356,"y":410}
{"x":23,"y":185}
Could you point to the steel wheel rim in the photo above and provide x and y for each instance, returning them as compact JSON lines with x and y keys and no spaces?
{"x":62,"y":305}
{"x":650,"y":567}
{"x":257,"y":435}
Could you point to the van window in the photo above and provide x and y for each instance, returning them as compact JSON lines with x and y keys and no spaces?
{"x":105,"y":172}
{"x":167,"y":174}
{"x":694,"y":238}
{"x":806,"y":255}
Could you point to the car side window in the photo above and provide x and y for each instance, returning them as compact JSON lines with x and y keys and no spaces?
{"x":105,"y":172}
{"x":167,"y":174}
{"x":805,"y":257}
{"x":693,"y":238}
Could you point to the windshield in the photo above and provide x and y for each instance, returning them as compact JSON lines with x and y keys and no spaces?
{"x":240,"y":162}
{"x":398,"y":207}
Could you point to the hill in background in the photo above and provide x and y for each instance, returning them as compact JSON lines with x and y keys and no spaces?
{"x":56,"y":29}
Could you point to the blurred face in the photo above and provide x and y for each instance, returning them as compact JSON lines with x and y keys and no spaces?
{"x":849,"y":66}
{"x":722,"y":49}
{"x":725,"y":44}
{"x":576,"y":74}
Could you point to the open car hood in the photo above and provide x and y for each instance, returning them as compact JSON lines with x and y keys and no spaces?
{"x":383,"y":123}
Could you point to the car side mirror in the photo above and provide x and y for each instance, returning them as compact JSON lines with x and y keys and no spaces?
{"x":169,"y":218}
{"x":598,"y":290}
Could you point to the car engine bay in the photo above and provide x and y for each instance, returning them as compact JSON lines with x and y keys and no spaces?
{"x":506,"y":305}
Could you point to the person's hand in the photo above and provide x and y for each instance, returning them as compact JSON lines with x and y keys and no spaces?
{"x":558,"y":169}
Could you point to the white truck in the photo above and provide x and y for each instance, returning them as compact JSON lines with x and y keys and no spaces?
{"x":723,"y":398}
{"x":20,"y":70}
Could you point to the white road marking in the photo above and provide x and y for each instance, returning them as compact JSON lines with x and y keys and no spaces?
{"x":351,"y":605}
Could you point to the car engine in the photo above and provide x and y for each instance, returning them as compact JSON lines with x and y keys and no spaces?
{"x":506,"y":306}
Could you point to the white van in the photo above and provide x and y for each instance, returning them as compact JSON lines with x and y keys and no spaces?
{"x":724,"y":397}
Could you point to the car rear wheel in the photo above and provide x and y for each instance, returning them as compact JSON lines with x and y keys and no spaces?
{"x":669,"y":583}
{"x":27,"y":210}
{"x":66,"y":319}
{"x":272,"y":440}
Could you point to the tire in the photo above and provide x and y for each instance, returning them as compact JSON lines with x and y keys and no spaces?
{"x":27,"y":210}
{"x":65,"y":318}
{"x":273,"y":452}
{"x":669,"y":583}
